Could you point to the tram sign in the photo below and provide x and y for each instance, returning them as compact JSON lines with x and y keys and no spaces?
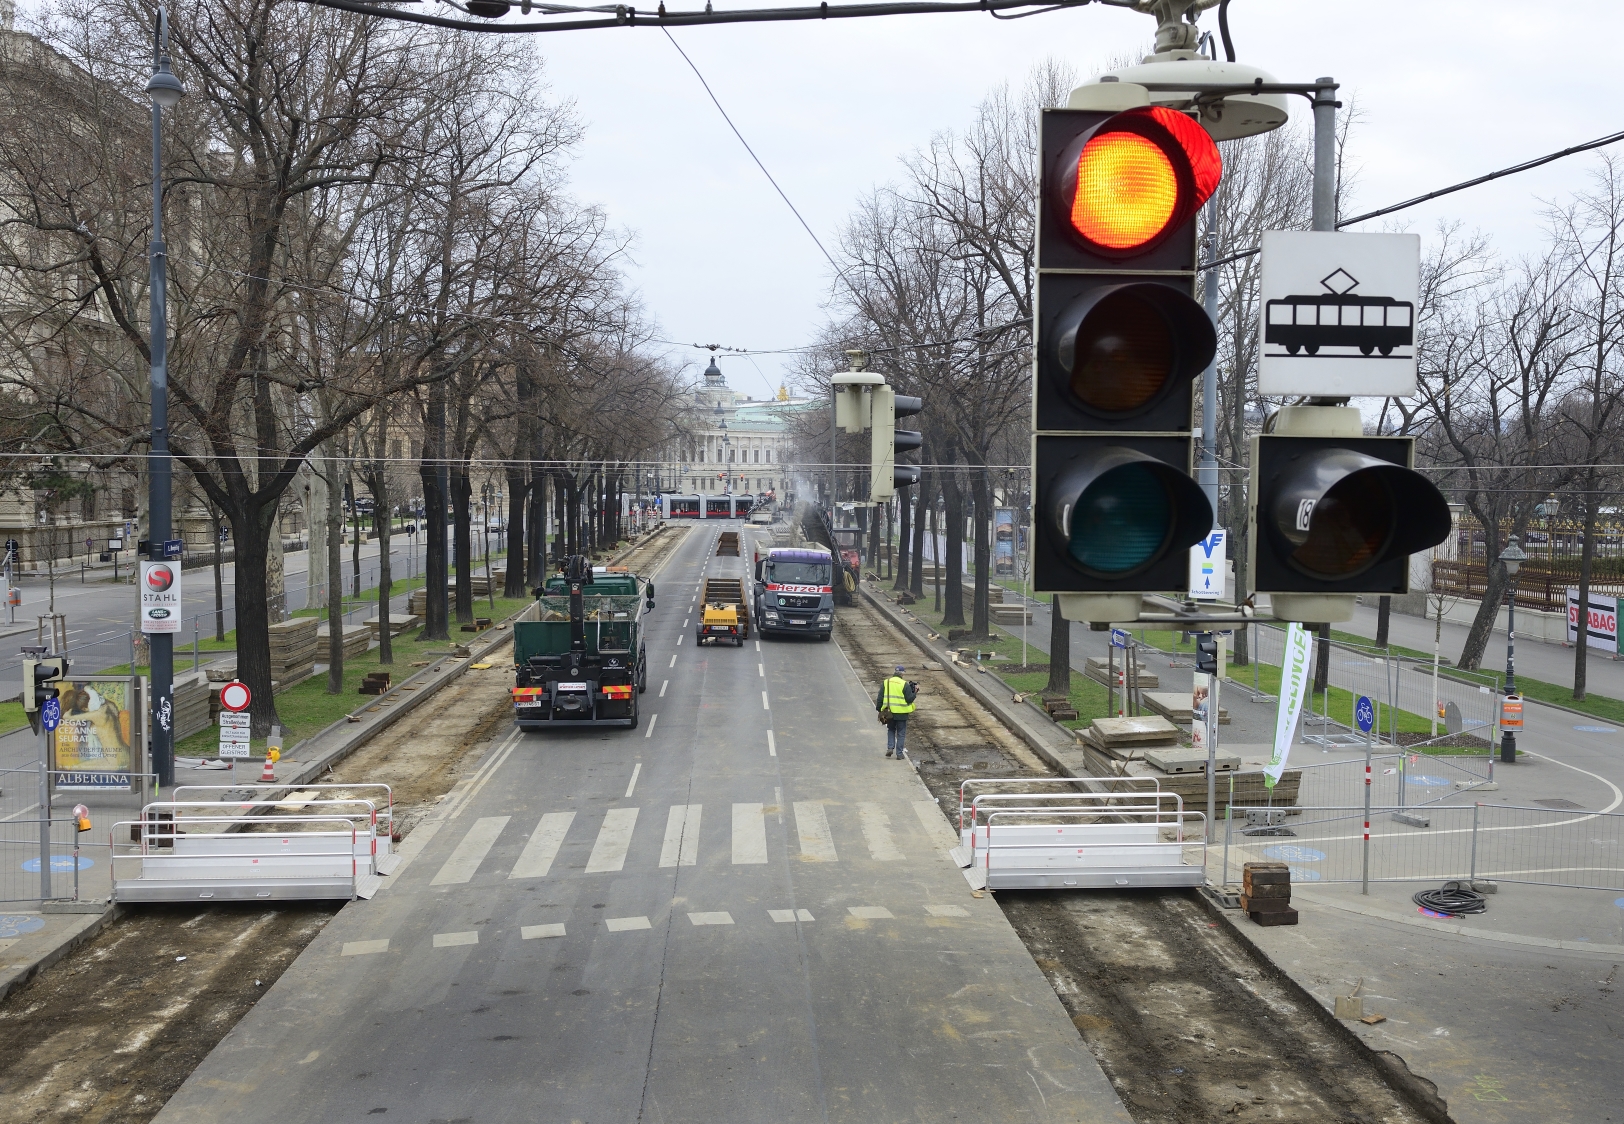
{"x":1338,"y":313}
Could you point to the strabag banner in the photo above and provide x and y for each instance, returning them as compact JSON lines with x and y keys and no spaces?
{"x":1293,"y":687}
{"x":160,"y":597}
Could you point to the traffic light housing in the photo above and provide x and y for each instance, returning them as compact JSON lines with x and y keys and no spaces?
{"x":1120,"y":340}
{"x":1335,"y":514}
{"x":1206,"y":653}
{"x":38,"y":675}
{"x":885,"y":474}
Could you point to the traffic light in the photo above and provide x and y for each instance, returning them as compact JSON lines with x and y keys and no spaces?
{"x":885,"y":474}
{"x":1335,"y":514}
{"x":1206,"y":653}
{"x":1120,"y":340}
{"x":38,"y":674}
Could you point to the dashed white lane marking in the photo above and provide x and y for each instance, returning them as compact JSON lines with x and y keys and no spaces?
{"x":536,"y":932}
{"x":812,"y":825}
{"x":789,"y":915}
{"x":614,"y":840}
{"x":877,"y":833}
{"x":681,"y":843}
{"x":871,"y":912}
{"x":673,"y":662}
{"x":538,"y":855}
{"x":469,"y":853}
{"x":772,"y":748}
{"x":625,"y":924}
{"x":679,"y":644}
{"x":630,"y":785}
{"x":749,"y":835}
{"x":778,"y":804}
{"x":653,"y":718}
{"x":364,"y":948}
{"x":758,"y":645}
{"x":947,"y":911}
{"x":685,"y":622}
{"x":711,"y":918}
{"x":449,"y":940}
{"x":663,"y":685}
{"x":764,"y":705}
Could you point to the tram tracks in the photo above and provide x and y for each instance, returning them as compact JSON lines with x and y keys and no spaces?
{"x":1182,"y":1019}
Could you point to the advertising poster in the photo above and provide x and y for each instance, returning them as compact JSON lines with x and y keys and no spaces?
{"x":160,"y":597}
{"x":95,"y":743}
{"x":1601,"y":621}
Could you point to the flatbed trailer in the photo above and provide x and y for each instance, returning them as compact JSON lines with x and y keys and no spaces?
{"x":728,"y":591}
{"x":727,"y":543}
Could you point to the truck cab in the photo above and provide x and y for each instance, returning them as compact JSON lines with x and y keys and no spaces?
{"x":794,"y":591}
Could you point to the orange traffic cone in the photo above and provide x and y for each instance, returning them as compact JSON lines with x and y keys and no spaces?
{"x":268,"y":774}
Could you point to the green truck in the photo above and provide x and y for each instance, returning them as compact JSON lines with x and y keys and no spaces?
{"x":578,"y":653}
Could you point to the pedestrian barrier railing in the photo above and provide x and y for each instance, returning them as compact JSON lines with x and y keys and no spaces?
{"x":299,"y":796}
{"x":1575,"y":849}
{"x":1099,"y":840}
{"x":175,"y":854}
{"x":1061,"y":787}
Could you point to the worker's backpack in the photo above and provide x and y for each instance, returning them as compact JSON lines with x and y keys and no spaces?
{"x":910,"y":691}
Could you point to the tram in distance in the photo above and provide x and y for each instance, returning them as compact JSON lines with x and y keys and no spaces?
{"x":1310,"y":322}
{"x":706,"y":507}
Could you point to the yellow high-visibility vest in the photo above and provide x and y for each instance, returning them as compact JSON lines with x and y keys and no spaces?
{"x":895,"y":701}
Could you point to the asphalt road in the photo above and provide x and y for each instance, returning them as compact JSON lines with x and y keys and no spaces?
{"x":740,"y":911}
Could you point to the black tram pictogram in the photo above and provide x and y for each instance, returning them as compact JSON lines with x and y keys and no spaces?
{"x":1309,"y":322}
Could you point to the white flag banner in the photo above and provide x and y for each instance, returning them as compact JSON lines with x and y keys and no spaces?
{"x":1293,"y":686}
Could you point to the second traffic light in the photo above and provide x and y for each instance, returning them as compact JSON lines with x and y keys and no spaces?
{"x":885,"y":474}
{"x":1120,"y":340}
{"x":38,"y":675}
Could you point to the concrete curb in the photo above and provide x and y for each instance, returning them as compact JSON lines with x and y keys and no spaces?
{"x":1059,"y":750}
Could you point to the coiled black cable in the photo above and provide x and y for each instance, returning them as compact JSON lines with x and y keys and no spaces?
{"x":1453,"y":898}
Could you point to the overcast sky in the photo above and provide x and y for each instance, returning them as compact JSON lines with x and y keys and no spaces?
{"x":1447,"y":90}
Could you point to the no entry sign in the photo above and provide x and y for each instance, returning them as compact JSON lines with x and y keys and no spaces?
{"x":235,"y":696}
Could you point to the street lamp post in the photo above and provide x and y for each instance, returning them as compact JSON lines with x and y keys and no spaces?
{"x":1512,"y":558}
{"x":165,"y":90}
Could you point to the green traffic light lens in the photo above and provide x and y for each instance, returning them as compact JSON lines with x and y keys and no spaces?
{"x":1123,"y":354}
{"x":1121,"y":520}
{"x":1349,"y":529}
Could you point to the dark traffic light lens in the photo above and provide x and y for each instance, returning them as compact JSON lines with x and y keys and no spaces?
{"x":1122,"y":354}
{"x":1349,"y":528}
{"x":1120,"y":521}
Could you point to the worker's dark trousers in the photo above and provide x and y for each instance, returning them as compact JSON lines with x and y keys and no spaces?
{"x":896,"y":731}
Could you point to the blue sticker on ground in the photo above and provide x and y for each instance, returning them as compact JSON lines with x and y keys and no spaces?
{"x":1303,"y":874}
{"x":60,"y":864}
{"x":1619,"y":902}
{"x":1291,"y":853}
{"x":16,"y":924}
{"x":1425,"y":912}
{"x":1430,"y":782}
{"x":1595,"y":729}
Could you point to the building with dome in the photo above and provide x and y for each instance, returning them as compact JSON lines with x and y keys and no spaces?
{"x":732,"y":442}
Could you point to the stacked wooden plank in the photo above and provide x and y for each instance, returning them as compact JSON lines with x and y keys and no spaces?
{"x":398,"y":623}
{"x":1096,"y":669}
{"x":417,"y":604}
{"x":1266,"y":893}
{"x":1115,"y":739}
{"x":375,"y":683}
{"x":294,"y":650}
{"x":1176,"y":705}
{"x":1010,"y":614}
{"x":191,"y":695}
{"x":356,"y":639}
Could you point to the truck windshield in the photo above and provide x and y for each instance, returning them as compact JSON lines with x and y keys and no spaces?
{"x":798,"y":573}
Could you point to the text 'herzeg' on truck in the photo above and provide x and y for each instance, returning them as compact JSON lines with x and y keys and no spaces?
{"x":794,"y":592}
{"x":578,"y":652}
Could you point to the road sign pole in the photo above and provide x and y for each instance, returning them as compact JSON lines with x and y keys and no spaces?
{"x":44,"y":798}
{"x":1364,"y":716}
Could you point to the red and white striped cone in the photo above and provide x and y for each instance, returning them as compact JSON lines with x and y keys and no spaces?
{"x":267,"y":775}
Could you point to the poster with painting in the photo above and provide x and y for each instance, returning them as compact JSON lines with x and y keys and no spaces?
{"x":95,"y":744}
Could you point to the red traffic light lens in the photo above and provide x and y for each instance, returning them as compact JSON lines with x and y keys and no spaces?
{"x":1136,"y":176}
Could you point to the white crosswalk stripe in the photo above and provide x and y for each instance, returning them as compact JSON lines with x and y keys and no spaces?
{"x":749,"y":835}
{"x":470,"y":852}
{"x":538,"y":855}
{"x":877,"y":833}
{"x":614,"y":840}
{"x":681,"y":844}
{"x":812,"y":825}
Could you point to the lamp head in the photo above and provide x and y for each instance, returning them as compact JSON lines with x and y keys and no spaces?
{"x":1513,"y":556}
{"x":164,"y":87}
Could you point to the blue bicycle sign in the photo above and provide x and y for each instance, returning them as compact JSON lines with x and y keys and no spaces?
{"x":50,"y":715}
{"x":1364,"y":713}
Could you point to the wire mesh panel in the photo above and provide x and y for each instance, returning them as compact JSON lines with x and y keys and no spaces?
{"x":1550,"y":847}
{"x":20,"y":860}
{"x":1327,"y":844}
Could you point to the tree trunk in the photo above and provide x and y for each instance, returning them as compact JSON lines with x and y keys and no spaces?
{"x":981,"y":621}
{"x":355,"y":528}
{"x":1587,"y":555}
{"x":1059,"y":652}
{"x":461,"y":495}
{"x":379,"y":486}
{"x":516,"y":535}
{"x":953,"y":563}
{"x":1322,"y":659}
{"x":904,"y":529}
{"x":435,"y":624}
{"x":219,"y":581}
{"x":251,"y":531}
{"x":335,"y":570}
{"x":922,"y":504}
{"x":1384,"y":617}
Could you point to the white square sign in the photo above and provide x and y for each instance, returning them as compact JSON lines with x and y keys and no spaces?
{"x":1338,"y":313}
{"x":1207,"y":566}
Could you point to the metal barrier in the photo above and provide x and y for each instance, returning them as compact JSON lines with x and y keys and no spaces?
{"x":382,"y":798}
{"x":1548,"y":847}
{"x":1099,"y":840}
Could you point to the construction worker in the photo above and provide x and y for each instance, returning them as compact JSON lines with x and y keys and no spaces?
{"x":895,"y":702}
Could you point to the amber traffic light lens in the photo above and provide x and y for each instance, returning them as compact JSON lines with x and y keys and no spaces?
{"x":1127,"y":191}
{"x":1123,"y":354}
{"x":1349,"y":528}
